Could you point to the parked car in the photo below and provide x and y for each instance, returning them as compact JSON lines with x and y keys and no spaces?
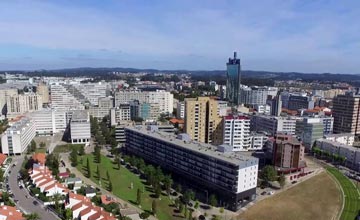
{"x":293,"y":182}
{"x":263,"y":193}
{"x":271,"y":193}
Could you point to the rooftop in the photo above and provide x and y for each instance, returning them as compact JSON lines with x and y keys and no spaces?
{"x":80,"y":115}
{"x":235,"y":158}
{"x":337,"y":144}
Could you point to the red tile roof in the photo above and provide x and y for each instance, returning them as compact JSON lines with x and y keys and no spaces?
{"x":40,"y":158}
{"x":11,"y":213}
{"x":2,"y":159}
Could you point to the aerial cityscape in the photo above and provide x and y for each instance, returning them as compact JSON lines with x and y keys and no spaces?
{"x":179,"y":110}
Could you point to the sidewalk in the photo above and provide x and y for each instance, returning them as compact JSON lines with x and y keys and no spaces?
{"x":65,"y":157}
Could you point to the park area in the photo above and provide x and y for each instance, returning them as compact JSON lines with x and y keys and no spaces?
{"x":352,"y":201}
{"x":122,"y":179}
{"x":316,"y":198}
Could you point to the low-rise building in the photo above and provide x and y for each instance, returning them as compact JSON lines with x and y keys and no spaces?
{"x":344,"y":138}
{"x":48,"y":121}
{"x":272,"y":124}
{"x":17,"y":138}
{"x":80,"y":127}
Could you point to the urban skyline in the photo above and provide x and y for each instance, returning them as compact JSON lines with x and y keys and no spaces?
{"x":302,"y":36}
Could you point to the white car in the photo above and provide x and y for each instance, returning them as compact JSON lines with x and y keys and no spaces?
{"x":271,"y":193}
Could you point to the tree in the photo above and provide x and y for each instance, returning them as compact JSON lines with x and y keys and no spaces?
{"x":268,"y":174}
{"x":56,"y":199}
{"x":188,"y":195}
{"x":32,"y":146}
{"x":190,"y":214}
{"x":107,"y":175}
{"x":178,"y":188}
{"x":144,"y":215}
{"x":154,"y":207}
{"x":282,"y":180}
{"x":68,"y":214}
{"x":1,"y":175}
{"x":74,"y":157}
{"x":138,"y":197}
{"x":32,"y":216}
{"x":110,"y":185}
{"x":177,"y":202}
{"x":82,"y":150}
{"x":98,"y":172}
{"x":221,"y":210}
{"x":97,"y":154}
{"x":88,"y":168}
{"x":181,"y":207}
{"x":117,"y":160}
{"x":213,"y":200}
{"x":167,"y":183}
{"x":196,"y":204}
{"x":42,"y":145}
{"x":157,"y":190}
{"x":216,"y":217}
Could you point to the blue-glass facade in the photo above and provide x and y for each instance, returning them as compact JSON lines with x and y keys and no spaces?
{"x":233,"y":80}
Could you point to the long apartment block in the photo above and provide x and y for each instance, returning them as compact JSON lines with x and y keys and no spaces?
{"x":231,"y":176}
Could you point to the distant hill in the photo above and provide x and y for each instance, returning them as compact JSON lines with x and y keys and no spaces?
{"x":216,"y":75}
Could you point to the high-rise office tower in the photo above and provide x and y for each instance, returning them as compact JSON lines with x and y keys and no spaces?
{"x":233,"y":73}
{"x":346,"y":113}
{"x":202,"y":122}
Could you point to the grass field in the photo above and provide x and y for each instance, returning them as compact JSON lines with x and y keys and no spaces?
{"x":352,"y":201}
{"x":121,"y":181}
{"x":317,"y":198}
{"x":66,"y":148}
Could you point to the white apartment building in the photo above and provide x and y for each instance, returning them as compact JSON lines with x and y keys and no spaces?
{"x":102,"y":109}
{"x":255,"y":95}
{"x":344,"y":138}
{"x":163,"y":98}
{"x":236,"y":132}
{"x":21,"y":103}
{"x":80,"y":127}
{"x":93,"y":91}
{"x":4,"y":93}
{"x":263,"y":109}
{"x":222,"y":108}
{"x":49,"y":121}
{"x":17,"y":138}
{"x":272,"y":124}
{"x":258,"y":141}
{"x":120,"y":113}
{"x":64,"y":98}
{"x":180,"y":110}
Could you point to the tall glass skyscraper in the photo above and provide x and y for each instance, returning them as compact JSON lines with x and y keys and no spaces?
{"x":233,"y":80}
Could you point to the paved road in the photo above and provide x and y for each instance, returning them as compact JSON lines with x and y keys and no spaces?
{"x":26,"y":204}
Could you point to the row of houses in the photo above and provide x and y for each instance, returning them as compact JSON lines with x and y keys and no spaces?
{"x":81,"y":206}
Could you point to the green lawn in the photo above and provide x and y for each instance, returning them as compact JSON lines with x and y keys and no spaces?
{"x":352,"y":201}
{"x":66,"y":148}
{"x":121,"y":181}
{"x":40,"y":150}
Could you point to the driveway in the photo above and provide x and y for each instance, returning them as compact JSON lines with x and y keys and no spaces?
{"x":26,"y":204}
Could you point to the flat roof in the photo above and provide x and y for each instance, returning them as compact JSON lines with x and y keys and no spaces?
{"x":337,"y":144}
{"x":235,"y":158}
{"x":80,"y":115}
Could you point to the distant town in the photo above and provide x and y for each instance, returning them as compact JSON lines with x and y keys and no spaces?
{"x":143,"y":144}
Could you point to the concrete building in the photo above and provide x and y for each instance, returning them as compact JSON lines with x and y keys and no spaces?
{"x":346,"y":113}
{"x":275,"y":104}
{"x":149,"y":112}
{"x":102,"y":109}
{"x":180,"y":110}
{"x":64,"y":97}
{"x":223,"y":108}
{"x":17,"y":138}
{"x":288,"y":153}
{"x":119,"y":114}
{"x":271,"y":124}
{"x":233,"y":80}
{"x":231,"y":176}
{"x":202,"y":122}
{"x":255,"y":95}
{"x":258,"y":141}
{"x":263,"y":109}
{"x":93,"y":91}
{"x":309,"y":130}
{"x":346,"y":139}
{"x":43,"y":90}
{"x":297,"y":102}
{"x":49,"y":121}
{"x":21,"y":103}
{"x":80,"y":127}
{"x":163,"y":98}
{"x":4,"y":93}
{"x":236,"y":132}
{"x":350,"y":153}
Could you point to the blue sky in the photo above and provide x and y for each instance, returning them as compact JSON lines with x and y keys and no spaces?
{"x":274,"y":35}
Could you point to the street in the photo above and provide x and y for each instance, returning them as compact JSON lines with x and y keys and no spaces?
{"x":26,"y":204}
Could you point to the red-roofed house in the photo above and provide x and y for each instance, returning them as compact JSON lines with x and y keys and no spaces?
{"x":105,"y":199}
{"x":10,"y":213}
{"x":39,"y":158}
{"x":2,"y":159}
